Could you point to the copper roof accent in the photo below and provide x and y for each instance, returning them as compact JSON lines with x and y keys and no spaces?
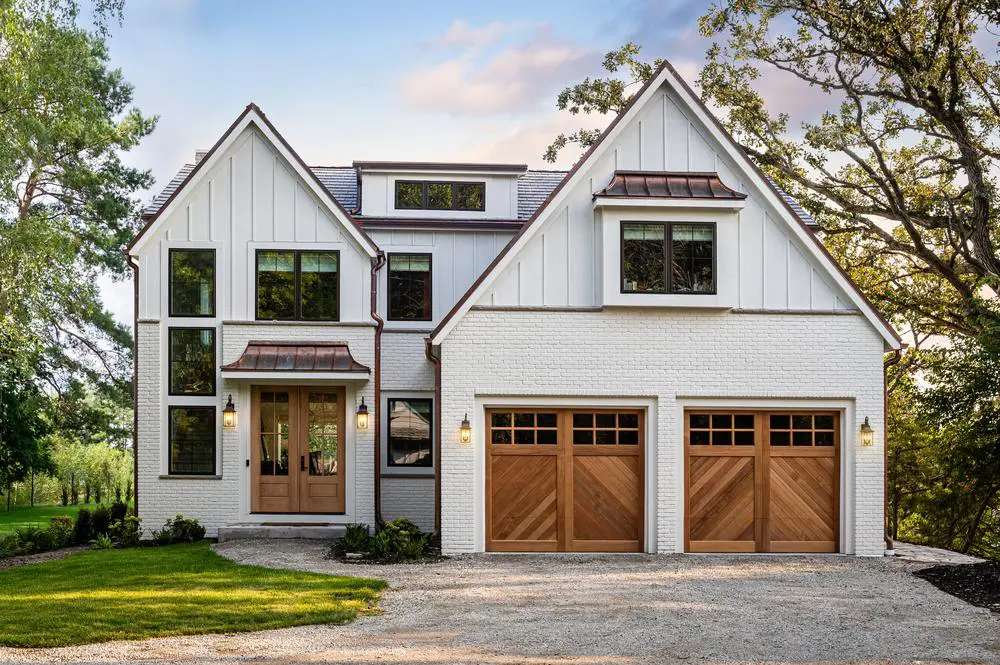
{"x":296,"y":357}
{"x":668,"y":185}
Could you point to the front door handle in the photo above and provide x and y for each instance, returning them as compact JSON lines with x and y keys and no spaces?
{"x":302,"y":463}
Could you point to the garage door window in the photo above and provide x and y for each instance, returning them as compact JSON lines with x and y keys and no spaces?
{"x":721,"y":429}
{"x":606,"y":429}
{"x":524,"y":428}
{"x":801,"y":430}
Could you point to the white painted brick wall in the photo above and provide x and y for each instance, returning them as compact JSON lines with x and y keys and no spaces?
{"x":663,"y":355}
{"x":404,"y":362}
{"x":409,"y":497}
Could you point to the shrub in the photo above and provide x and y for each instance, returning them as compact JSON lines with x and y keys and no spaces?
{"x":179,"y":530}
{"x":101,"y":521}
{"x":405,"y":539}
{"x":119,"y":509}
{"x":62,"y":531}
{"x":127,"y":531}
{"x":380,"y":547}
{"x":84,"y":529}
{"x":103,"y":542}
{"x":356,"y":538}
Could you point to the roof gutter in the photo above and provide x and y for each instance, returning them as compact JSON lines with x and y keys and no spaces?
{"x":429,"y":351}
{"x":896,"y":356}
{"x":135,"y":381}
{"x":377,"y":262}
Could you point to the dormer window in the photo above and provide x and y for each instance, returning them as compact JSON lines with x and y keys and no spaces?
{"x":668,"y":257}
{"x":434,"y":195}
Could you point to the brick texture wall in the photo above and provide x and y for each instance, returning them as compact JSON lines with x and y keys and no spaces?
{"x":663,"y":355}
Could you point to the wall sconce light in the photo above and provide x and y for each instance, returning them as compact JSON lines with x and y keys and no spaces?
{"x":363,"y":415}
{"x":465,"y":431}
{"x":229,"y":416}
{"x":867,"y":434}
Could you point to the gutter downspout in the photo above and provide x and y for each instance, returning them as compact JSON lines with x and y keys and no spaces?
{"x":377,"y":264}
{"x":896,"y":357}
{"x":429,"y":351}
{"x":135,"y":381}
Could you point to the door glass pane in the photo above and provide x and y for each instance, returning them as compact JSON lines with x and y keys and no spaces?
{"x":324,"y":438}
{"x":274,"y":432}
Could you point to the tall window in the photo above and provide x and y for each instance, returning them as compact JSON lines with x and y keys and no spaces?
{"x":192,"y":440}
{"x":429,"y":195}
{"x":411,"y":427}
{"x":668,"y":258}
{"x":298,"y":285}
{"x":192,"y":282}
{"x":192,"y":361}
{"x":410,"y":287}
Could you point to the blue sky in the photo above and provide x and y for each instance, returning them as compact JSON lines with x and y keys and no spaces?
{"x":378,"y":80}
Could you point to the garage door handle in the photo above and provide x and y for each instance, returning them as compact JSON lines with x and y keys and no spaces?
{"x":302,"y":463}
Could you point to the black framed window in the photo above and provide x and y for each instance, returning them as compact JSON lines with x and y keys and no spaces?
{"x":435,"y":195}
{"x":192,"y":440}
{"x":411,"y":428}
{"x":410,"y":287}
{"x":667,"y":257}
{"x":192,"y":361}
{"x":298,"y":285}
{"x":192,"y":282}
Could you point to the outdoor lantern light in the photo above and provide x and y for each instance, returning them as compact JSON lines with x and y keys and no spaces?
{"x":465,"y":430}
{"x":867,"y":433}
{"x":229,"y":416}
{"x":362,"y":415}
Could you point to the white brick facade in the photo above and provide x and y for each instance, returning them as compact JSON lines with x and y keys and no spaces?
{"x":666,"y":357}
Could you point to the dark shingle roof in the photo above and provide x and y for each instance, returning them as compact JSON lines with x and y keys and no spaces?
{"x":806,"y":218}
{"x":533,"y":188}
{"x":341,"y":181}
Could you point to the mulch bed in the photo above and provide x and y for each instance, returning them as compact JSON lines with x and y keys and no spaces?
{"x":975,"y":583}
{"x":28,"y":559}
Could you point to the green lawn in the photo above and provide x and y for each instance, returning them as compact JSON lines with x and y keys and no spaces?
{"x":101,"y":595}
{"x":38,"y":516}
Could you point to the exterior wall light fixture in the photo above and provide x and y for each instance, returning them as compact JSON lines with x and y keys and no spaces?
{"x":465,"y":431}
{"x":229,"y":416}
{"x":363,"y":417}
{"x":867,"y":434}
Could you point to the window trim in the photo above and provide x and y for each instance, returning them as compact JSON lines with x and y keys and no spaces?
{"x":215,"y":440}
{"x":215,"y":364}
{"x":170,"y":281}
{"x":668,"y":250}
{"x":388,"y":285}
{"x":424,"y":184}
{"x":297,"y":262}
{"x":398,"y":469}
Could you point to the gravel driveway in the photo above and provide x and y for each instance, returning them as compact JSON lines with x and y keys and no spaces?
{"x":601,"y":609}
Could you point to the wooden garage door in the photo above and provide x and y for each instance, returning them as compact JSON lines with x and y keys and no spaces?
{"x":762,"y":481}
{"x":564,"y":480}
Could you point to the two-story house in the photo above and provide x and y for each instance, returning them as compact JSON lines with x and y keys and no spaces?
{"x":651,"y":352}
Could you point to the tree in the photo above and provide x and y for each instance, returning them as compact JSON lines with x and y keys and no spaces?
{"x":901,"y":171}
{"x":22,"y":432}
{"x":66,"y":198}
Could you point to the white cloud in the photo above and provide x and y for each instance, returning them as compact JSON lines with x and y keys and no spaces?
{"x":525,"y":142}
{"x":515,"y":77}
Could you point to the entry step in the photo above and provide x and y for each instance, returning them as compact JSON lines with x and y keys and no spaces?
{"x":311,"y":531}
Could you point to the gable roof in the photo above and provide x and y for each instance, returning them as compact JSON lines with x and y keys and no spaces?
{"x":252,"y":115}
{"x":780,"y":200}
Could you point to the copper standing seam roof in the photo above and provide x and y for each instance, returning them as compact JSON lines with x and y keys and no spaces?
{"x":296,"y":357}
{"x":668,"y":185}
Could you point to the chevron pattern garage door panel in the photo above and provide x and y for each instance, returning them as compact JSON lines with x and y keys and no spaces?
{"x":803,"y":504}
{"x":607,"y":503}
{"x":524,"y":503}
{"x":722,"y":504}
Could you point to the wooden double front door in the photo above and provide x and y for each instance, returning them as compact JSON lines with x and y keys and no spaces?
{"x":297,"y":449}
{"x":564,"y":480}
{"x":762,"y":481}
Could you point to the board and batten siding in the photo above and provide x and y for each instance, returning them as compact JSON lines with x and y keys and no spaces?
{"x":250,"y":199}
{"x":560,"y":266}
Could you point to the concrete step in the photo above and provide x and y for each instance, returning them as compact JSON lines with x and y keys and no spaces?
{"x":280,"y":530}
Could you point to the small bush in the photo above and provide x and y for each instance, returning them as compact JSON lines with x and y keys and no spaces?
{"x":179,"y":530}
{"x":380,"y":547}
{"x":32,"y":540}
{"x":127,"y":531}
{"x":119,"y":509}
{"x":102,"y":521}
{"x":356,"y":538}
{"x":62,"y":530}
{"x":103,"y":542}
{"x":84,"y":529}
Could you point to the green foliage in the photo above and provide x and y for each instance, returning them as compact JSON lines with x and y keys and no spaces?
{"x":145,"y":592}
{"x":356,"y":538}
{"x":101,"y":520}
{"x":119,"y":510}
{"x":127,"y":531}
{"x":22,"y":448}
{"x":380,"y":547}
{"x":901,"y":170}
{"x":32,"y":539}
{"x":103,"y":541}
{"x":179,"y":530}
{"x":84,"y":527}
{"x":602,"y":96}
